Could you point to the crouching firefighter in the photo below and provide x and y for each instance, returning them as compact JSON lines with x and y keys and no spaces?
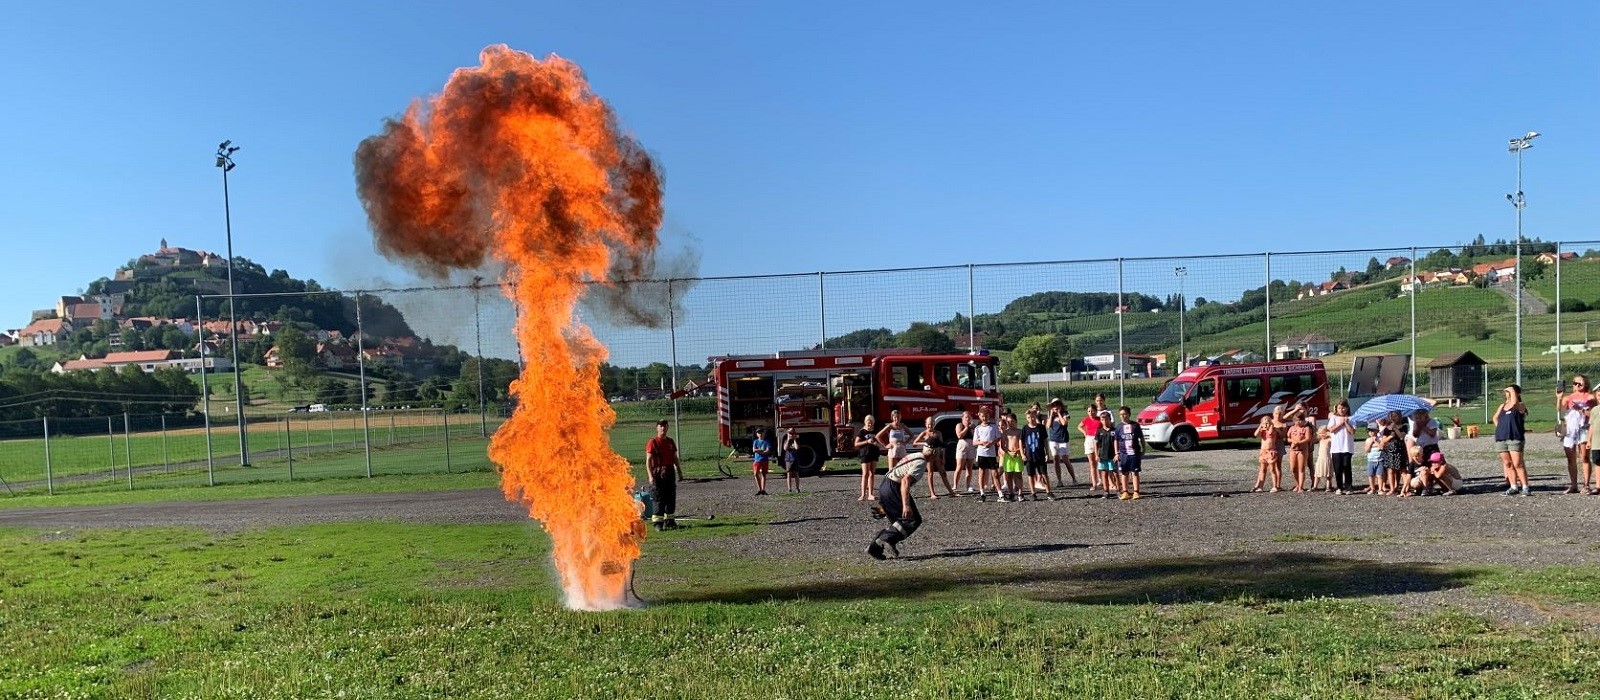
{"x":895,"y":501}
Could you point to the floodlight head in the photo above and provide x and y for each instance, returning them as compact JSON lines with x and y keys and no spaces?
{"x":222,"y":162}
{"x":224,"y":145}
{"x":1531,"y":136}
{"x":1511,"y":199}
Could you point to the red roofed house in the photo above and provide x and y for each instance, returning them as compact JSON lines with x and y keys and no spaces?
{"x":44,"y":332}
{"x":146,"y":360}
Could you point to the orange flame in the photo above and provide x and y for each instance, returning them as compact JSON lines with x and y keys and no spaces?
{"x":519,"y":160}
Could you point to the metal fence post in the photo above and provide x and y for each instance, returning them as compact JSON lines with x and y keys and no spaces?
{"x":166,"y":464}
{"x":1486,"y":395}
{"x":205,"y":390}
{"x":111,"y":447}
{"x":972,"y":332}
{"x":477,"y":320}
{"x":1122,"y":353}
{"x":446,"y":418}
{"x":332,"y":444}
{"x":288,"y":434}
{"x":672,"y":339}
{"x":391,"y":427}
{"x":49,"y":475}
{"x":1415,"y":290}
{"x":1268,"y":297}
{"x":127,"y":448}
{"x":822,"y":312}
{"x":361,"y":366}
{"x":1558,"y":312}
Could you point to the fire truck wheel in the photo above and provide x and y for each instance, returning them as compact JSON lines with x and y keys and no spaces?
{"x":1183,"y":440}
{"x":811,"y":455}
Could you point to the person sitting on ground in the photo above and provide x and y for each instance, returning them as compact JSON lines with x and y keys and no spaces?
{"x":1439,"y":476}
{"x":1406,"y":479}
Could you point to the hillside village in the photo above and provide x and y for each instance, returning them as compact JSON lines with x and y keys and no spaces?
{"x":99,"y":331}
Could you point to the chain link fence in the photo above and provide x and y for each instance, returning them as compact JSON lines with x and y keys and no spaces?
{"x":400,"y":381}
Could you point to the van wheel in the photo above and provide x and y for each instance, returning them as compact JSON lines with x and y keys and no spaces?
{"x":811,"y":456}
{"x":1183,"y":440}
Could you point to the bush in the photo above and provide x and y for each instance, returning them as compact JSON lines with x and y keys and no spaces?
{"x":1473,"y":327}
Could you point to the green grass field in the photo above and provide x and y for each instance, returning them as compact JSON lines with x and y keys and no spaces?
{"x":371,"y":610}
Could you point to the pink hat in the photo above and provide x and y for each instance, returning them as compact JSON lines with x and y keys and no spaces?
{"x":1436,"y":457}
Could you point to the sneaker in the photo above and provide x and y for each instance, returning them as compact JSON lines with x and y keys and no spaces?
{"x":895,"y":549}
{"x":1512,"y":491}
{"x":1124,"y":496}
{"x":672,"y":524}
{"x":875,"y":551}
{"x":1525,"y":491}
{"x":1135,"y":496}
{"x":1049,"y":497}
{"x":970,"y":491}
{"x":983,"y":498}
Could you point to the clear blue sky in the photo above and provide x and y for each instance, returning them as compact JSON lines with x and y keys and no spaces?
{"x":806,"y":136}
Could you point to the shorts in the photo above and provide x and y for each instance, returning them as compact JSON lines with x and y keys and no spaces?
{"x":1088,"y":450}
{"x":790,"y":459}
{"x":1594,"y":456}
{"x":965,"y":450}
{"x":758,"y":465}
{"x":1131,"y":463}
{"x":1575,"y":438}
{"x":1012,"y":464}
{"x":1507,"y":445}
{"x":1060,"y":449}
{"x":1039,"y":468}
{"x":987,"y":463}
{"x":1106,"y":465}
{"x":1374,"y":468}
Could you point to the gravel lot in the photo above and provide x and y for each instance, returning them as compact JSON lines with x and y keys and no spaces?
{"x":1196,"y":505}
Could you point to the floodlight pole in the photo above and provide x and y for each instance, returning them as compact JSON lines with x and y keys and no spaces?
{"x":1518,"y":145}
{"x":225,"y":162}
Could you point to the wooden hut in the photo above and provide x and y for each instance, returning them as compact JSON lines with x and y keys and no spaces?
{"x":1456,"y":376}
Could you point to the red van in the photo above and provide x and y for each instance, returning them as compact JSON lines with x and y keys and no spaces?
{"x":1215,"y":402}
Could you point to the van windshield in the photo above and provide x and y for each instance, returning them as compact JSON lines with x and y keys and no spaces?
{"x":1174,"y":392}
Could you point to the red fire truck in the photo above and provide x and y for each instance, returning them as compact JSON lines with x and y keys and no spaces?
{"x":825,"y":394}
{"x":1227,"y":401}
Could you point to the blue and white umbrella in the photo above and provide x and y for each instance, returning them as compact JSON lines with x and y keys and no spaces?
{"x":1380,"y":406}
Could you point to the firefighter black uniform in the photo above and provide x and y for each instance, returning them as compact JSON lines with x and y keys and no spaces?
{"x":897,"y":503}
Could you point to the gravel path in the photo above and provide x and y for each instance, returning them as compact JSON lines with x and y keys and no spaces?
{"x":1196,"y":506}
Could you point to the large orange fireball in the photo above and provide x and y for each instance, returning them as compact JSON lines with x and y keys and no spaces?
{"x":517,"y":159}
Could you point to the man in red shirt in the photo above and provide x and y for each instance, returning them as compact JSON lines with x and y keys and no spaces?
{"x":661,"y":463}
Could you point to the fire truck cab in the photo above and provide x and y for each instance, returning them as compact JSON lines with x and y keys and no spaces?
{"x":826,"y":394}
{"x":1213,"y":402}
